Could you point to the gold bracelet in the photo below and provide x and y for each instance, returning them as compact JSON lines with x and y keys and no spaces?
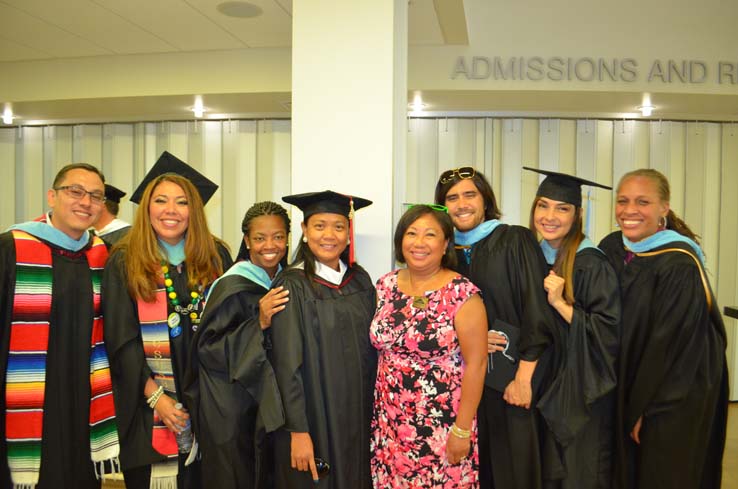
{"x":459,"y":433}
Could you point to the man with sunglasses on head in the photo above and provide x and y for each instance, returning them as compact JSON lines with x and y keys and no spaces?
{"x":506,"y":263}
{"x":58,"y":422}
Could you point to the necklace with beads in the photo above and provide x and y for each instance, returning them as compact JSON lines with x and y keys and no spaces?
{"x":191,"y":310}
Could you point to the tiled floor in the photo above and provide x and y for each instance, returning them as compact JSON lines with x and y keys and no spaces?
{"x":730,"y":461}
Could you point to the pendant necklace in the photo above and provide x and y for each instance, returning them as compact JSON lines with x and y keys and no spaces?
{"x":421,"y":301}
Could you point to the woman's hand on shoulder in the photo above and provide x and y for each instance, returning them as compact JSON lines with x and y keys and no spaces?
{"x":272,"y":302}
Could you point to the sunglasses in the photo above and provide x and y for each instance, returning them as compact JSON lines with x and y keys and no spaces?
{"x":322,"y":467}
{"x":435,"y":207}
{"x":464,"y":173}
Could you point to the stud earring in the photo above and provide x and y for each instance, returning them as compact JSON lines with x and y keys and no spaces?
{"x":304,"y":239}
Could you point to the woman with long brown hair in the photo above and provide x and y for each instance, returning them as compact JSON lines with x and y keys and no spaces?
{"x":154,"y":287}
{"x":672,"y":390}
{"x":583,"y":290}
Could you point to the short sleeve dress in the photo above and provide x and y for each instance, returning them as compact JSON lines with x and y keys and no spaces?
{"x":418,"y":387}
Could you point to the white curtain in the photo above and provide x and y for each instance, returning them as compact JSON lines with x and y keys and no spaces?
{"x":250,"y":160}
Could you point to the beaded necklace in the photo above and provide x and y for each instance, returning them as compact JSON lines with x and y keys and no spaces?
{"x":192,"y":309}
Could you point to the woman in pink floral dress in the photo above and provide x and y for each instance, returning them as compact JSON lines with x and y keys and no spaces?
{"x":430,"y":330}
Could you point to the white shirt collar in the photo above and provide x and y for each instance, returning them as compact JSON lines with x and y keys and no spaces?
{"x":112,"y":226}
{"x":330,"y":275}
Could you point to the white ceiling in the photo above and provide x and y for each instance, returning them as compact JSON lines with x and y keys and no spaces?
{"x":64,"y":29}
{"x":77,"y":28}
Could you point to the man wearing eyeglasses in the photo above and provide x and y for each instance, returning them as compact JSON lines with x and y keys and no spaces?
{"x":506,"y":263}
{"x":58,"y":421}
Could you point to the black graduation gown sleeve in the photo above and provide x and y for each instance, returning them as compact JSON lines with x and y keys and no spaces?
{"x":593,"y":341}
{"x":238,"y":400}
{"x":7,"y":283}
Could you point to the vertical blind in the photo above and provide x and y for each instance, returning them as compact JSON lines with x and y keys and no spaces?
{"x":250,"y":160}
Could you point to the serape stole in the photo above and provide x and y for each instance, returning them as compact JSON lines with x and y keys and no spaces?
{"x":26,"y":370}
{"x":155,"y":337}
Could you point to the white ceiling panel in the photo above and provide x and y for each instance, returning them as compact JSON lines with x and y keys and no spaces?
{"x":13,"y":51}
{"x":94,"y":23}
{"x":176,"y":22}
{"x":286,"y":6}
{"x":273,"y":28}
{"x":423,"y":27}
{"x":37,"y":33}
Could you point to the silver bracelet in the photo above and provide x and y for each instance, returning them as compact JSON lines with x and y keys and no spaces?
{"x":154,"y":398}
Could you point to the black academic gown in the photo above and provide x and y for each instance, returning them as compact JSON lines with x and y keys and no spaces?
{"x":672,"y":372}
{"x":113,"y":237}
{"x":236,"y":399}
{"x":129,"y":371}
{"x":509,"y":268}
{"x":326,"y":369}
{"x":580,"y":405}
{"x":65,"y":449}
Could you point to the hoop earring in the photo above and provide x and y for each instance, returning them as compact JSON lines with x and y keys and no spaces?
{"x":304,"y":239}
{"x":663,"y":226}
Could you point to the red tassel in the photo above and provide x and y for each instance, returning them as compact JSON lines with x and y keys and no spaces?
{"x":352,"y":258}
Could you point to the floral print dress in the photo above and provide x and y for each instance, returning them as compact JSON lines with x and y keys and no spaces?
{"x":418,"y":388}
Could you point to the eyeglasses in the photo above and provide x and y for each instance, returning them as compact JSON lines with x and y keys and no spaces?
{"x":78,"y":193}
{"x":322,"y":467}
{"x":435,"y":207}
{"x":464,"y":173}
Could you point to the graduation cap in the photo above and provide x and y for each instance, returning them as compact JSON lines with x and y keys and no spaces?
{"x":168,"y":163}
{"x":333,"y":203}
{"x":563,"y":187}
{"x":113,"y":194}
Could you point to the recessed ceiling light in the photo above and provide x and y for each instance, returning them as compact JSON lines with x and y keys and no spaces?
{"x":7,"y":114}
{"x":646,"y":110}
{"x":242,"y":10}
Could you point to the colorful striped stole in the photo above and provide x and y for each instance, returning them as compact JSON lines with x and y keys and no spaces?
{"x":155,"y":337}
{"x":26,"y":370}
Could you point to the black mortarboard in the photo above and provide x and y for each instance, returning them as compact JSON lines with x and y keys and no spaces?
{"x":563,"y":187}
{"x":331,"y":202}
{"x":168,"y":163}
{"x":113,"y":194}
{"x":326,"y":201}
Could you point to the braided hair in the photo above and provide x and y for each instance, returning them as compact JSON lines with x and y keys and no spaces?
{"x":266,"y":208}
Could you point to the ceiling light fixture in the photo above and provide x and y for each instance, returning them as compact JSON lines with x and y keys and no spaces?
{"x":198,"y":108}
{"x":241,"y":10}
{"x":417,"y":104}
{"x":7,"y":114}
{"x":646,"y":110}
